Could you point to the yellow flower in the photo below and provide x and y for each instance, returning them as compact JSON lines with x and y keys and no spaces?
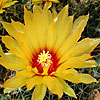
{"x":41,"y":1}
{"x":45,"y":50}
{"x":5,"y":3}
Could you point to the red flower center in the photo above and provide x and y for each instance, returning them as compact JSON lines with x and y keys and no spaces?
{"x":45,"y":60}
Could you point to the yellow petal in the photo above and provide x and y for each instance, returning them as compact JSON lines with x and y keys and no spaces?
{"x":1,"y":51}
{"x":84,"y":78}
{"x":78,"y":20}
{"x":89,"y":64}
{"x":14,"y":32}
{"x":11,"y":56}
{"x":78,"y":62}
{"x":41,"y":1}
{"x":14,"y":47}
{"x":12,"y":44}
{"x":7,"y":4}
{"x":31,"y":82}
{"x":76,"y":77}
{"x":65,"y":31}
{"x":20,"y":26}
{"x":28,"y":16}
{"x":51,"y":36}
{"x":61,"y":24}
{"x":25,"y":73}
{"x":67,"y":89}
{"x":39,"y":92}
{"x":85,"y":46}
{"x":63,"y":14}
{"x":69,"y":56}
{"x":9,"y":28}
{"x":22,"y":40}
{"x":75,"y":35}
{"x":53,"y":85}
{"x":37,"y":28}
{"x":62,"y":72}
{"x":81,"y":64}
{"x":25,"y":46}
{"x":31,"y":35}
{"x":41,"y":21}
{"x":12,"y":64}
{"x":15,"y":82}
{"x":37,"y":1}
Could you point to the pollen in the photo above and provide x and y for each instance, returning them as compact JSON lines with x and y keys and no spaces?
{"x":44,"y":58}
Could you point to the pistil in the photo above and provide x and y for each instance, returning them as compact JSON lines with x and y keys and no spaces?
{"x":45,"y":60}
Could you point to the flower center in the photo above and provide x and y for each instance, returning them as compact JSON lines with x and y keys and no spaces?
{"x":44,"y":63}
{"x":44,"y":59}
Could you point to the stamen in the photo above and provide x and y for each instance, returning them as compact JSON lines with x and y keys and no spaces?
{"x":44,"y":58}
